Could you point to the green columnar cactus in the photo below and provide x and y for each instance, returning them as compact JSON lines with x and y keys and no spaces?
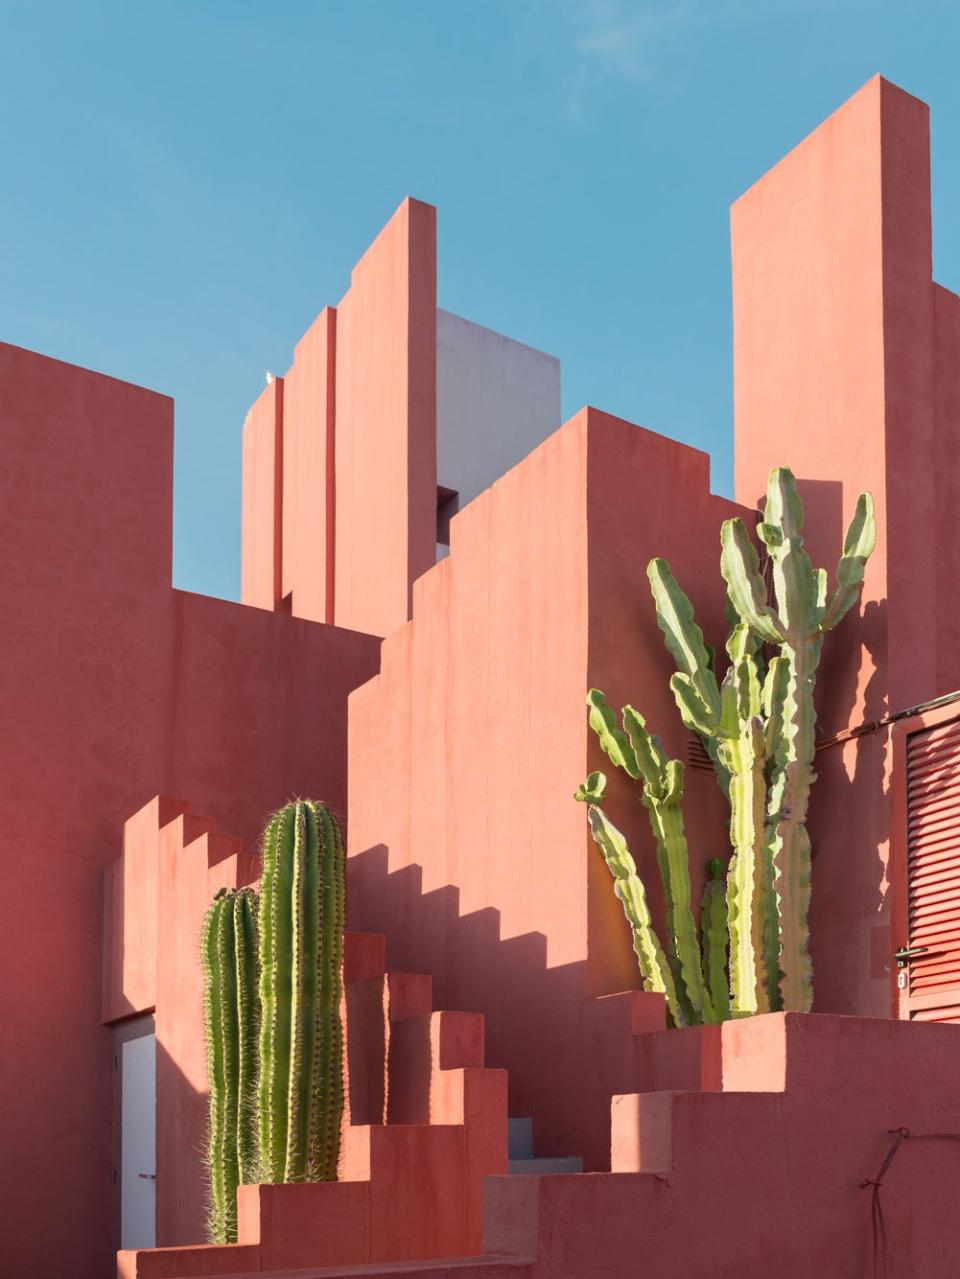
{"x":300,"y":1100}
{"x":628,"y":886}
{"x":803,"y":613}
{"x":643,"y":758}
{"x":231,"y":1011}
{"x":713,"y":930}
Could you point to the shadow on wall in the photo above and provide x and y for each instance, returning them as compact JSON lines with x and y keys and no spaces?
{"x":849,"y":806}
{"x":566,"y":1052}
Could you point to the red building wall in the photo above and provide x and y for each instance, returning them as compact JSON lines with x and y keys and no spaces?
{"x":351,"y":514}
{"x":465,"y":845}
{"x":847,"y":366}
{"x":114,"y":687}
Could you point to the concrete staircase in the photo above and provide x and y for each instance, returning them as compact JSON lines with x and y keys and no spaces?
{"x":769,"y":1112}
{"x":426,"y":1123}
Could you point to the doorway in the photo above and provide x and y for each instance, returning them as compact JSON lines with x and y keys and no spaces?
{"x":135,"y":1073}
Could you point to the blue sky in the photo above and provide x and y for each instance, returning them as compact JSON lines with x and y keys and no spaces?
{"x":186,"y":184}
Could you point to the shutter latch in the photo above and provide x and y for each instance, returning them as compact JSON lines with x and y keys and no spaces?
{"x":906,"y":953}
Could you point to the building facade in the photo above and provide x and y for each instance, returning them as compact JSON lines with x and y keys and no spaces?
{"x":434,"y":572}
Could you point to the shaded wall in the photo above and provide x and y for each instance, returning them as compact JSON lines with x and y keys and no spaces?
{"x":847,"y":368}
{"x":115,"y":687}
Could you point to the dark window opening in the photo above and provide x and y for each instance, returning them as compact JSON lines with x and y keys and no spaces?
{"x":448,"y":503}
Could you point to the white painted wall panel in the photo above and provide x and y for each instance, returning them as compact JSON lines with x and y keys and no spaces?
{"x":496,"y":401}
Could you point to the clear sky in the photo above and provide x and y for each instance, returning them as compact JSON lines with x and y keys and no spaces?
{"x":186,"y":183}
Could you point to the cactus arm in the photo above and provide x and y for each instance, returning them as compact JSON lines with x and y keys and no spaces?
{"x":276,"y":927}
{"x":744,"y":757}
{"x":694,"y":711}
{"x":650,"y":756}
{"x":301,"y":1038}
{"x":628,"y":887}
{"x":787,"y":837}
{"x":783,"y":509}
{"x":684,"y":638}
{"x":694,"y":684}
{"x":662,"y":798}
{"x":666,"y":821}
{"x":248,"y":1030}
{"x":858,"y":546}
{"x":213,"y":1027}
{"x":328,"y":1092}
{"x":304,"y":941}
{"x":797,"y":586}
{"x":613,"y":740}
{"x":740,"y":567}
{"x":223,"y":1072}
{"x":713,"y":928}
{"x":593,"y":790}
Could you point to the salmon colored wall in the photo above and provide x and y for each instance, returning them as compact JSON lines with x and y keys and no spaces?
{"x":386,"y":456}
{"x":261,"y":544}
{"x":128,"y":687}
{"x":946,"y":469}
{"x":846,"y":360}
{"x":308,"y":462}
{"x":353,"y":518}
{"x":466,"y":847}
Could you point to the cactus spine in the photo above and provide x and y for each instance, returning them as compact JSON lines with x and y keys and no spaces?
{"x":300,"y":1098}
{"x":758,"y":728}
{"x":231,"y":1009}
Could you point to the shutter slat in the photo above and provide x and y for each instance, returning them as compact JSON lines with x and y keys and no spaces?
{"x":931,"y":739}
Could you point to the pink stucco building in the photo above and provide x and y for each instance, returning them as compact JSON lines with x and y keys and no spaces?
{"x":434,"y":572}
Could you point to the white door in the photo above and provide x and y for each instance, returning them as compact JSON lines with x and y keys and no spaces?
{"x":138,"y":1141}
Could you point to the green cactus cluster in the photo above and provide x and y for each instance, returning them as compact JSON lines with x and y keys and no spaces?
{"x":758,"y":726}
{"x":272,"y":990}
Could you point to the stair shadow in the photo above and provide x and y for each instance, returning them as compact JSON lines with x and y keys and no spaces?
{"x":540,"y":1021}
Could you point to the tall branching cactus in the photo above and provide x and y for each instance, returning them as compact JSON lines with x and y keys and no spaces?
{"x":805,"y":610}
{"x":301,"y":955}
{"x":758,"y":728}
{"x":231,"y":1015}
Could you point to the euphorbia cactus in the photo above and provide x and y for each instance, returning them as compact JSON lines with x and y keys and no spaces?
{"x":796,"y":626}
{"x":301,"y":956}
{"x":758,"y":728}
{"x":231,"y":1007}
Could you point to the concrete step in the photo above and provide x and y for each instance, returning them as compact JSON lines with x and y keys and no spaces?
{"x":488,"y":1267}
{"x":491,"y":1267}
{"x":559,"y":1166}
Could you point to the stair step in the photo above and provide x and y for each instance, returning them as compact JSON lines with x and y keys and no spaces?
{"x":520,"y":1138}
{"x":562,"y":1165}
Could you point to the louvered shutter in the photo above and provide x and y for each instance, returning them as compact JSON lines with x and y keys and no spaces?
{"x":933,"y":873}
